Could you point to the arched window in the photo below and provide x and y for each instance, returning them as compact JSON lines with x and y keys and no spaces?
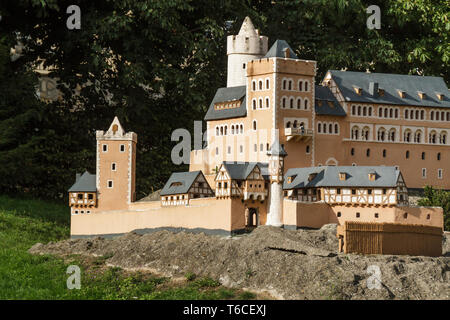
{"x":385,"y":112}
{"x":267,"y":84}
{"x":365,"y":133}
{"x":295,"y":124}
{"x":359,"y":110}
{"x":288,"y":124}
{"x":443,"y":138}
{"x":406,"y":113}
{"x":254,"y":124}
{"x":267,"y":103}
{"x":364,"y":111}
{"x":232,"y":129}
{"x":352,"y":151}
{"x":260,"y":103}
{"x":422,"y":115}
{"x":242,"y":128}
{"x":432,"y":137}
{"x":336,"y":128}
{"x":330,"y":128}
{"x":284,"y":84}
{"x":324,"y":128}
{"x":283,"y":104}
{"x":221,"y":131}
{"x":306,"y":104}
{"x":290,"y":85}
{"x":254,"y":104}
{"x":432,"y":115}
{"x":417,"y":114}
{"x":291,"y":103}
{"x":396,"y":113}
{"x":392,"y":135}
{"x":418,"y":136}
{"x":260,"y":85}
{"x":381,"y":135}
{"x":306,"y":85}
{"x":407,"y":136}
{"x":226,"y":129}
{"x":437,"y":115}
{"x":368,"y":152}
{"x":254,"y":85}
{"x":391,"y":113}
{"x":217,"y":131}
{"x":319,"y":127}
{"x":300,"y":86}
{"x":380,"y":112}
{"x":384,"y":153}
{"x":407,"y":154}
{"x":370,"y":111}
{"x":299,"y":103}
{"x":438,"y":156}
{"x":355,"y":133}
{"x":353,"y":110}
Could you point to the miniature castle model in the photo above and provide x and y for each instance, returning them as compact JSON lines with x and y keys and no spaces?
{"x":283,"y":151}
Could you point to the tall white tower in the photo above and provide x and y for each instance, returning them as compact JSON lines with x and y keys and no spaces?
{"x":276,"y":172}
{"x":246,"y":46}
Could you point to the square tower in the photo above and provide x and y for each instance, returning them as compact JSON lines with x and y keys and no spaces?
{"x":116,"y":167}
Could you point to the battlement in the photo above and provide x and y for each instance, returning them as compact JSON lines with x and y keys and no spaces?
{"x":116,"y":132}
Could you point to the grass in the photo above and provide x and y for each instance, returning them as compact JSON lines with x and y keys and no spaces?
{"x":24,"y":222}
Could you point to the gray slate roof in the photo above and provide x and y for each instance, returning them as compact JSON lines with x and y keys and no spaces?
{"x":241,"y":170}
{"x":328,"y":176}
{"x":277,"y":50}
{"x":185,"y":178}
{"x":86,"y":183}
{"x":277,"y":149}
{"x":325,"y":95}
{"x":228,"y":94}
{"x":391,"y":83}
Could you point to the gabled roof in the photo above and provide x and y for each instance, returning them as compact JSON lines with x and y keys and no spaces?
{"x":224,"y":95}
{"x":392,"y":84}
{"x":241,"y":170}
{"x":328,"y":176}
{"x":324,"y":96}
{"x":180,"y":182}
{"x":86,"y":183}
{"x":277,"y":50}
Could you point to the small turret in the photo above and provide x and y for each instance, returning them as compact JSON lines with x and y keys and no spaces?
{"x":276,"y":172}
{"x":246,"y":46}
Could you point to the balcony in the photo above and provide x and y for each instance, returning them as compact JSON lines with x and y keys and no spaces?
{"x":298,"y":134}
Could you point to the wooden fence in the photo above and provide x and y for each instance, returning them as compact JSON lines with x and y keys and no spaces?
{"x":389,"y":238}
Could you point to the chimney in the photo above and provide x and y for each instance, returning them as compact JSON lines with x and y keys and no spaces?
{"x":373,"y":88}
{"x":77,"y":177}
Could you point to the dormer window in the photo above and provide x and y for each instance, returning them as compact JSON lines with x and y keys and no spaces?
{"x":372,"y":176}
{"x":401,"y":93}
{"x":422,"y":95}
{"x":440,"y":96}
{"x":290,"y":179}
{"x":342,"y":176}
{"x":381,"y":92}
{"x":358,"y":90}
{"x":312,"y":176}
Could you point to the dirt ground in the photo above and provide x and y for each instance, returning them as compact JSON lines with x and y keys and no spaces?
{"x":284,"y":264}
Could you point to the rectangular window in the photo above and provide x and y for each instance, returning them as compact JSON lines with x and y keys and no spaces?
{"x":110,"y":184}
{"x":122,"y":148}
{"x":338,"y":191}
{"x":241,"y":149}
{"x":424,"y":172}
{"x":105,"y":148}
{"x":439,"y":173}
{"x":229,"y":150}
{"x":113,"y":166}
{"x":369,"y":191}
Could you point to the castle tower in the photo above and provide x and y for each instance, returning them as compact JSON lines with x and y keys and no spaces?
{"x":116,"y":167}
{"x":246,"y":46}
{"x":276,"y":172}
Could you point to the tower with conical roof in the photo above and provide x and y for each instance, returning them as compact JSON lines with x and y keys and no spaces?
{"x":246,"y":46}
{"x":276,"y":172}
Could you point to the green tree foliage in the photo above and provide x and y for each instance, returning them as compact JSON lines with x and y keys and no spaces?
{"x":437,"y":198}
{"x":157,"y":64}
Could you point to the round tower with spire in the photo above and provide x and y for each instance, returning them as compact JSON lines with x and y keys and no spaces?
{"x":242,"y":48}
